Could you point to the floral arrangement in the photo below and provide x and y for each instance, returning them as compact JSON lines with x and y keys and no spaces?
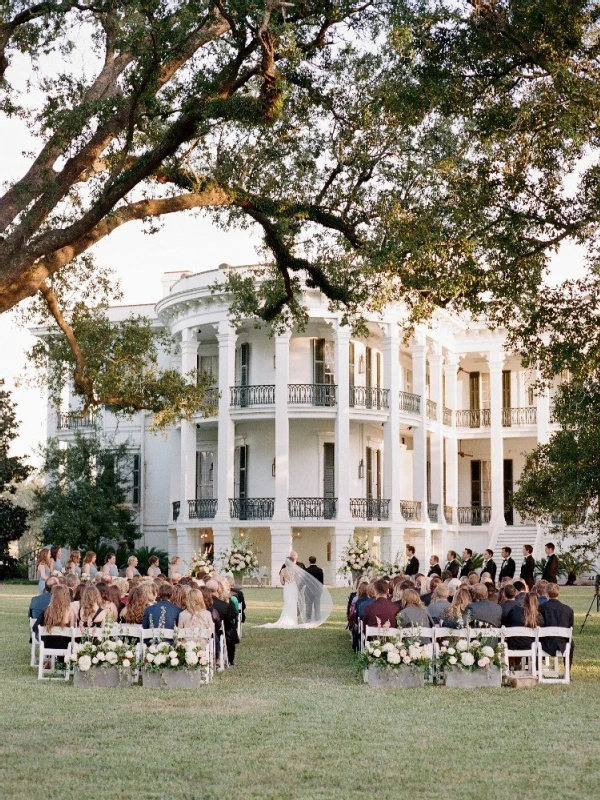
{"x":201,"y":563}
{"x":357,"y":557}
{"x":391,"y":568}
{"x":395,"y":652}
{"x":185,"y":654}
{"x":465,"y":655}
{"x":88,"y":655}
{"x":239,"y":558}
{"x":84,"y":578}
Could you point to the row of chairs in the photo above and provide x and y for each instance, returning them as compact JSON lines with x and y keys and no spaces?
{"x":45,"y":658}
{"x":535,"y":661}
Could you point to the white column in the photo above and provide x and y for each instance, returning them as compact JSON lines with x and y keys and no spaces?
{"x":342,"y":423}
{"x":451,"y":376}
{"x":282,"y":428}
{"x":222,"y":537}
{"x":340,"y":537}
{"x":419,"y":365}
{"x":187,"y":475}
{"x":543,"y":434}
{"x":497,"y":523}
{"x":281,"y":547}
{"x":391,"y":428}
{"x":226,"y":337}
{"x":437,"y":436}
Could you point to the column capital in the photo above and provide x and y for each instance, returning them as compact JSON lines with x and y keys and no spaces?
{"x":496,"y":359}
{"x":225,"y":330}
{"x":283,"y":337}
{"x":188,"y":335}
{"x":436,"y":359}
{"x":341,"y":333}
{"x":189,"y":346}
{"x":452,"y":360}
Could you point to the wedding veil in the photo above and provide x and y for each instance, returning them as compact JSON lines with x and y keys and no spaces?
{"x":315,"y":604}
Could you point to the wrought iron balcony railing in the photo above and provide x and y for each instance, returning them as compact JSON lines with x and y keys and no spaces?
{"x":176,"y":510}
{"x":410,"y":510}
{"x":202,"y":508}
{"x":312,"y":507}
{"x":74,"y":420}
{"x":474,"y":515}
{"x":447,"y":416}
{"x":519,"y":416}
{"x":411,"y":403}
{"x":432,"y":512}
{"x":245,"y":396}
{"x":473,"y":418}
{"x":369,"y":397}
{"x":449,"y":514}
{"x":251,"y":507}
{"x":432,"y":412}
{"x":370,"y":508}
{"x":312,"y":394}
{"x":211,"y":398}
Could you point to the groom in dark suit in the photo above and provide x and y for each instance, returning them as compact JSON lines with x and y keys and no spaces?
{"x":313,"y":602}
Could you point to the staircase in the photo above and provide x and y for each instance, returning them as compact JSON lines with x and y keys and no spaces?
{"x":515,"y":536}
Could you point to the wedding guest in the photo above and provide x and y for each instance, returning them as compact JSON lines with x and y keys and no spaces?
{"x":216,"y":617}
{"x":43,"y":571}
{"x":76,"y":601}
{"x":175,"y":573}
{"x":413,"y":613}
{"x":508,"y":566}
{"x":89,"y":565}
{"x":528,"y":566}
{"x":140,"y":598}
{"x":522,"y":616}
{"x":489,"y":565}
{"x":452,"y":564}
{"x":433,"y":582}
{"x":91,"y":613}
{"x":412,"y":564}
{"x":542,"y":592}
{"x":434,"y":567}
{"x":73,"y":567}
{"x":482,"y":609}
{"x":382,"y":610}
{"x":467,"y":565}
{"x":556,"y":615}
{"x":70,"y":581}
{"x":58,"y":614}
{"x":238,"y":594}
{"x":454,"y":585}
{"x":115,"y":598}
{"x":472,"y":579}
{"x":508,"y":600}
{"x":122,"y":586}
{"x":132,"y":570}
{"x":366,"y":600}
{"x":452,"y":617}
{"x":110,"y":566}
{"x":179,"y":597}
{"x":196,"y":614}
{"x":228,"y":618}
{"x":421,"y":583}
{"x":56,"y":564}
{"x":521,"y":591}
{"x":163,"y":605}
{"x":550,"y":572}
{"x":439,"y":602}
{"x":446,"y":575}
{"x":154,"y":567}
{"x":396,"y":597}
{"x":39,"y":602}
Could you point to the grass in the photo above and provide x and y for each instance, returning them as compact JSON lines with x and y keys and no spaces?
{"x":292,"y":720}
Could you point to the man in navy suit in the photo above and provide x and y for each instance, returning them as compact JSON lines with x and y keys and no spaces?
{"x":556,"y":615}
{"x":40,"y":602}
{"x":153,"y":614}
{"x":412,"y":565}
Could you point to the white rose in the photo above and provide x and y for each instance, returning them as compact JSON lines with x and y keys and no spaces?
{"x":488,"y":651}
{"x":475,"y":643}
{"x":451,"y":650}
{"x":191,"y":658}
{"x":160,"y":658}
{"x":94,"y":660}
{"x":111,"y":645}
{"x":164,"y":646}
{"x":446,"y":642}
{"x":126,"y":662}
{"x":112,"y":657}
{"x":153,"y":648}
{"x":377,"y":653}
{"x":101,"y":656}
{"x":387,"y":647}
{"x":403,"y":652}
{"x":443,"y":649}
{"x":468,"y":659}
{"x":413,"y":651}
{"x":84,"y":664}
{"x":462,"y":645}
{"x":452,"y":660}
{"x":174,"y":662}
{"x":128,"y":654}
{"x":406,"y":660}
{"x":173,"y":654}
{"x":393,"y":658}
{"x":483,"y":662}
{"x":149,"y":658}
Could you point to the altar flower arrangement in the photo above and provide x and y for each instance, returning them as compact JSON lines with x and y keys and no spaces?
{"x":356,"y":558}
{"x":468,"y":655}
{"x":201,"y":564}
{"x":240,"y":558}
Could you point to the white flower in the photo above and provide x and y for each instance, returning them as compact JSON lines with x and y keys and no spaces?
{"x":377,"y":653}
{"x":191,"y":658}
{"x":111,"y":645}
{"x":126,"y":662}
{"x":488,"y":651}
{"x":85,"y":662}
{"x":452,"y":660}
{"x":174,"y":661}
{"x":406,"y":660}
{"x":468,"y":659}
{"x":475,"y":643}
{"x":393,"y":658}
{"x":153,"y":648}
{"x":451,"y":650}
{"x":483,"y":662}
{"x":112,"y":657}
{"x":160,"y":658}
{"x":149,"y":658}
{"x":413,"y":651}
{"x":128,"y":654}
{"x":164,"y":646}
{"x":387,"y":647}
{"x":445,"y":642}
{"x":101,"y":656}
{"x":462,"y":645}
{"x":95,"y":660}
{"x":173,"y":654}
{"x":443,"y":649}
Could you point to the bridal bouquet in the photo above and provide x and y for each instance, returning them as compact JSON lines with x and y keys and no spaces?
{"x":357,"y":558}
{"x":469,"y":656}
{"x":239,"y":558}
{"x":200,"y":564}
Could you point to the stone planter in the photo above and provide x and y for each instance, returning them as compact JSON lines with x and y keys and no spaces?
{"x":478,"y":679}
{"x":108,"y":677}
{"x":173,"y":679}
{"x":398,"y":678}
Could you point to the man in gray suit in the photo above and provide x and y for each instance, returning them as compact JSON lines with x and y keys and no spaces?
{"x":482,"y":609}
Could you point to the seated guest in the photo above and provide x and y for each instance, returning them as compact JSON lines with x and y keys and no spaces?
{"x":216,"y":617}
{"x":140,"y":598}
{"x":92,"y":612}
{"x":110,"y":566}
{"x":489,"y":565}
{"x":122,"y":585}
{"x":175,"y":572}
{"x":41,"y":601}
{"x":353,"y":598}
{"x":112,"y":609}
{"x":453,"y":616}
{"x":196,"y":615}
{"x":381,"y":611}
{"x":542,"y":592}
{"x":114,"y":596}
{"x":446,"y":575}
{"x":71,"y":582}
{"x":58,"y":614}
{"x":521,"y":588}
{"x":132,"y":570}
{"x":76,"y":602}
{"x":153,"y":567}
{"x":228,"y":618}
{"x":363,"y":588}
{"x":507,"y":600}
{"x":473,"y":579}
{"x":522,"y":616}
{"x":153,"y":615}
{"x":439,"y":602}
{"x":365,"y":601}
{"x":434,"y":567}
{"x":482,"y":609}
{"x":421,"y":584}
{"x":179,"y":596}
{"x":413,"y":611}
{"x":556,"y":615}
{"x":454,"y":585}
{"x":396,"y":597}
{"x":238,"y":594}
{"x":426,"y":598}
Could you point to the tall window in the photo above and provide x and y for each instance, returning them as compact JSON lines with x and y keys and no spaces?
{"x":506,"y":393}
{"x":241,"y":472}
{"x":508,"y":491}
{"x":135,"y":480}
{"x":205,"y":474}
{"x":351,"y":363}
{"x":210,"y":366}
{"x":328,"y":476}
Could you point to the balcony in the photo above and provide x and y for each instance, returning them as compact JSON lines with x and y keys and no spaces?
{"x":519,"y":416}
{"x":447,"y":412}
{"x":176,"y":510}
{"x":211,"y":397}
{"x":369,"y":397}
{"x":251,"y":507}
{"x":473,"y":418}
{"x":411,"y":403}
{"x":474,"y":515}
{"x":74,"y":420}
{"x":312,"y":507}
{"x":202,"y":508}
{"x":246,"y":396}
{"x":370,"y":508}
{"x":449,"y":514}
{"x":432,"y":512}
{"x":432,"y":412}
{"x":312,"y":394}
{"x":410,"y":510}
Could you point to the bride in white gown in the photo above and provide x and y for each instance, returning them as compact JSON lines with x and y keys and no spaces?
{"x":306,"y":602}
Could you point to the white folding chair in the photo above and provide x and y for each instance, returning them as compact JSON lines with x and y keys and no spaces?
{"x":239,"y":623}
{"x":546,"y":672}
{"x":48,"y":655}
{"x":35,"y":644}
{"x":155,"y":635}
{"x":374,"y":632}
{"x":416,"y":632}
{"x":223,"y":657}
{"x":126,"y":631}
{"x":528,"y":655}
{"x":198,"y":634}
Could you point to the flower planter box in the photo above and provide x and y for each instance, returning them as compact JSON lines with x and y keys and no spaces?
{"x":173,"y":679}
{"x":480,"y":678}
{"x":107,"y":677}
{"x":398,"y":678}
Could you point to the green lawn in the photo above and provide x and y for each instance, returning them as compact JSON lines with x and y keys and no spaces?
{"x":292,"y":720}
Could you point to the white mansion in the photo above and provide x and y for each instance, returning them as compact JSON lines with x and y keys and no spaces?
{"x":318,"y":435}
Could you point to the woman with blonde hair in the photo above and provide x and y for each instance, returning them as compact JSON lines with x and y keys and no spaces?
{"x":196,"y":614}
{"x":413,"y":613}
{"x":43,"y":570}
{"x":73,"y":567}
{"x":132,"y":571}
{"x":140,"y":597}
{"x":58,"y":614}
{"x":89,"y":565}
{"x":452,"y":617}
{"x":175,"y":569}
{"x":91,"y":612}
